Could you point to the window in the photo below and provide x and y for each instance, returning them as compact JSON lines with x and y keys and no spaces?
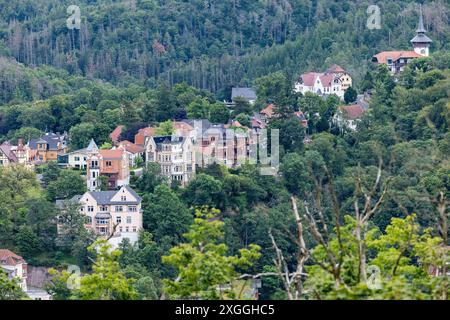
{"x":127,"y":229}
{"x":88,"y":220}
{"x":119,"y":209}
{"x":118,"y":219}
{"x":120,"y":229}
{"x":104,"y":208}
{"x":77,"y":158}
{"x":108,"y":163}
{"x":132,"y":208}
{"x":90,"y":208}
{"x":123,"y":198}
{"x":134,"y":229}
{"x":129,"y":219}
{"x":101,"y":221}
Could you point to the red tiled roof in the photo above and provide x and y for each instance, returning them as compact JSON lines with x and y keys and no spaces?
{"x":139,"y":138}
{"x":131,"y":147}
{"x":352,"y":112}
{"x":7,"y":257}
{"x":336,"y":69}
{"x":327,"y":79}
{"x":115,"y":135}
{"x":308,"y":79}
{"x":111,"y":154}
{"x":5,"y":148}
{"x":395,"y":55}
{"x":268,"y":111}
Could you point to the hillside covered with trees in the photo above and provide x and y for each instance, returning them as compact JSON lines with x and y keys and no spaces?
{"x":217,"y":45}
{"x":343,"y":201}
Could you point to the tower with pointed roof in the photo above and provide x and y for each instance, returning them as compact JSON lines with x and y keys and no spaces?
{"x":93,"y":166}
{"x":421,"y":42}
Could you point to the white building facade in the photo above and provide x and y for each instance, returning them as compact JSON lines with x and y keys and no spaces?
{"x":175,"y":155}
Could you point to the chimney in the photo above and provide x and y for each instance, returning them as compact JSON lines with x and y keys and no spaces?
{"x":20,"y":142}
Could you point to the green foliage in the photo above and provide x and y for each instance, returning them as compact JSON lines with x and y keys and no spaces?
{"x":350,"y":95}
{"x":165,"y":128}
{"x":402,"y":254}
{"x":68,"y":184}
{"x":10,"y":289}
{"x":203,"y":264}
{"x":106,"y":282}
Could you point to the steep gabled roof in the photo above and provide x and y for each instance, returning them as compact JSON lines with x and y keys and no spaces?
{"x":139,"y":138}
{"x":105,"y":197}
{"x":6,"y":149}
{"x":268,"y":111}
{"x":115,"y":134}
{"x":7,"y":257}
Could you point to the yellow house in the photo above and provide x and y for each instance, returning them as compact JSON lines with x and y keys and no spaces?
{"x":342,"y":75}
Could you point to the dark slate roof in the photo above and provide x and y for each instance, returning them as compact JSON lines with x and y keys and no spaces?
{"x":421,"y":38}
{"x":51,"y":139}
{"x":202,"y":124}
{"x":104,"y":197}
{"x":173,"y":140}
{"x":62,"y":203}
{"x":246,"y":93}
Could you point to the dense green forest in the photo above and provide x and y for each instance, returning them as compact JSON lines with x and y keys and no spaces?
{"x":344,"y":201}
{"x":217,"y":45}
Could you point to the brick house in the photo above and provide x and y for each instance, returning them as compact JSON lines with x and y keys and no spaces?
{"x":113,"y":164}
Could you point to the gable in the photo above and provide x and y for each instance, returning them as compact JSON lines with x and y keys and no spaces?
{"x":124,"y":192}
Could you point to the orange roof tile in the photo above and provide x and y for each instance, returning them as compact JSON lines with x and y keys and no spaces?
{"x":111,"y":154}
{"x":139,"y":138}
{"x":352,"y":112}
{"x":7,"y":257}
{"x":268,"y":111}
{"x":115,"y":135}
{"x":131,"y":147}
{"x":382,"y":57}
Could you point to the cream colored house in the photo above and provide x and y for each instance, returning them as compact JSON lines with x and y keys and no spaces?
{"x":175,"y":155}
{"x":14,"y":266}
{"x":334,"y":81}
{"x":115,"y":214}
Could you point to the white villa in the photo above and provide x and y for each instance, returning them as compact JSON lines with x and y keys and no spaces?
{"x":175,"y":154}
{"x":334,"y":81}
{"x":113,"y":214}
